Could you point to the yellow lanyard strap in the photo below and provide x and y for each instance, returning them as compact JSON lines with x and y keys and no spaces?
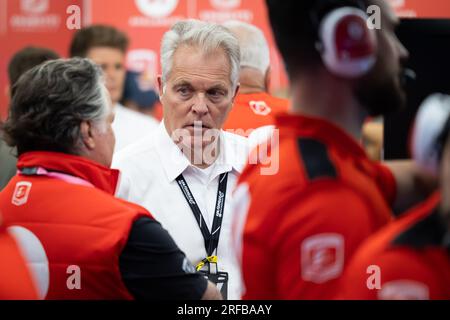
{"x":210,"y":259}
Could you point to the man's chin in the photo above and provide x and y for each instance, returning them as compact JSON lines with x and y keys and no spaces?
{"x":196,"y":143}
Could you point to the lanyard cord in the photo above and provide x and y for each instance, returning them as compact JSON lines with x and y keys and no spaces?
{"x":211,"y":238}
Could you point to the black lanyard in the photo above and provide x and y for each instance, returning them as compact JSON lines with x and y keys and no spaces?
{"x":211,"y":239}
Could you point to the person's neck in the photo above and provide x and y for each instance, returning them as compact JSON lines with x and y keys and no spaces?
{"x":323,"y":96}
{"x":196,"y":156}
{"x":251,"y":81}
{"x":115,"y":104}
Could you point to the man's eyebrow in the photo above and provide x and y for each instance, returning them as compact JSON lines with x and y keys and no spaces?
{"x":181,"y":84}
{"x":218,"y":87}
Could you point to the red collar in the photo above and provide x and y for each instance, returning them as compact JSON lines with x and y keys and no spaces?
{"x":246,"y":97}
{"x":326,"y":131}
{"x":100,"y":176}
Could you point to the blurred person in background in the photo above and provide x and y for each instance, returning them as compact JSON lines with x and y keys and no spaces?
{"x":107,"y":47}
{"x":139,"y":94}
{"x":410,"y":259}
{"x":21,"y":61}
{"x":254,"y":107}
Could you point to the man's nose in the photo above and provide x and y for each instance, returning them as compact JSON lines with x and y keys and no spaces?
{"x":109,"y":75}
{"x":200,"y":105}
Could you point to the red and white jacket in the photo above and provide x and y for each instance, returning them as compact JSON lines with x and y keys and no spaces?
{"x":68,"y":203}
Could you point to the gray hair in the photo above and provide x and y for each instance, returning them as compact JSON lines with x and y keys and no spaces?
{"x":207,"y":36}
{"x":50,"y":101}
{"x":255,"y":51}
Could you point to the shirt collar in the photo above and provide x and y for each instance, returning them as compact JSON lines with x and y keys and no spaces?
{"x":100,"y":176}
{"x":319,"y":128}
{"x":175,"y":162}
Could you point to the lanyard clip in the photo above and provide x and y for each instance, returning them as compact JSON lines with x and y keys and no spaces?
{"x":210,"y":259}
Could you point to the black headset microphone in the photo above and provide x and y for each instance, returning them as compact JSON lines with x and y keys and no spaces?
{"x":408,"y":76}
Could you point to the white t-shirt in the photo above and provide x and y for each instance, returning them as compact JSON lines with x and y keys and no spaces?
{"x":130,"y":126}
{"x":149,"y":170}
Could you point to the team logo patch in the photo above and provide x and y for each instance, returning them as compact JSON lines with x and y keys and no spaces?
{"x":404,"y":290}
{"x":34,"y":6}
{"x":260,"y":107}
{"x":225,"y":4}
{"x":157,"y":8}
{"x":21,"y":193}
{"x":322,"y":257}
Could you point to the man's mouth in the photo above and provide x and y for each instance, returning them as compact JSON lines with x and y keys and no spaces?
{"x":198,"y":126}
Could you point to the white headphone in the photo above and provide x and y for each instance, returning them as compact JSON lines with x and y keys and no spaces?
{"x":431,"y":124}
{"x":346,"y":44}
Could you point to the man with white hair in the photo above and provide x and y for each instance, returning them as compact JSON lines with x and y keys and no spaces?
{"x":186,"y":171}
{"x":254,"y":106}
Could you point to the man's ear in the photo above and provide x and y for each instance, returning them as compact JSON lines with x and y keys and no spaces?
{"x":236,"y":91}
{"x":160,"y":86}
{"x":86,"y":135}
{"x":267,"y":79}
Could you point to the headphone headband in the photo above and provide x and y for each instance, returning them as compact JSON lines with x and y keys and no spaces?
{"x":322,"y":7}
{"x":343,"y":39}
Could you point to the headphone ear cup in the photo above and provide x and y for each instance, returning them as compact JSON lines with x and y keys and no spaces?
{"x":430,"y":122}
{"x":348,"y":46}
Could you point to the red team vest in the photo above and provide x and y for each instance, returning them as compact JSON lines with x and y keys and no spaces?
{"x":81,"y":226}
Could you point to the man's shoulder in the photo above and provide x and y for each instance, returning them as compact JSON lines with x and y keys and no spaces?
{"x":307,"y":179}
{"x":231,"y":137}
{"x":279,"y":104}
{"x":300,"y":161}
{"x":81,"y":197}
{"x":109,"y":204}
{"x":402,"y":265}
{"x":133,"y":207}
{"x":236,"y":150}
{"x":388,"y":241}
{"x":141,"y":151}
{"x":134,"y":119}
{"x":270,"y":100}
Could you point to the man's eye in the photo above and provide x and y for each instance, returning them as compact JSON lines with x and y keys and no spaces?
{"x":184,"y":91}
{"x":216,"y":94}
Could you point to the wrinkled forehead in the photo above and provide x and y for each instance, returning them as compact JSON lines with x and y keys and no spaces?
{"x":195,"y":61}
{"x":187,"y":53}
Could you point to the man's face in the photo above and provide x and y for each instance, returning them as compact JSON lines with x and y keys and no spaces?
{"x":103,"y":136}
{"x":381,"y":91}
{"x":112,"y":61}
{"x":198,"y":91}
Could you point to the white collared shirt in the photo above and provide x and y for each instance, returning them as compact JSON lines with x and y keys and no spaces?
{"x":130,"y":126}
{"x":149,"y":169}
